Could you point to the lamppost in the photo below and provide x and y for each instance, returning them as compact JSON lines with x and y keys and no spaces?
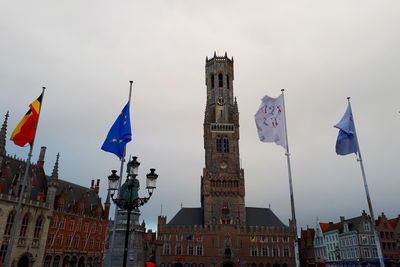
{"x":128,"y":195}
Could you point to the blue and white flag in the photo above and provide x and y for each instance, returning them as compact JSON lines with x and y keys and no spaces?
{"x":270,"y":120}
{"x":346,"y":142}
{"x":120,"y":134}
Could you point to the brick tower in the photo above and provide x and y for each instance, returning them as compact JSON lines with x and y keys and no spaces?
{"x":222,"y":183}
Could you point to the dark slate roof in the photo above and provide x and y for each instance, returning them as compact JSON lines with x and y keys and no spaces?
{"x":188,"y":216}
{"x":12,"y":172}
{"x":262,"y":217}
{"x":74,"y":193}
{"x":255,"y":217}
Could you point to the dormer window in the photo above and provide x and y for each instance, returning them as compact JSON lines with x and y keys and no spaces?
{"x":346,"y":228}
{"x":366,"y":227}
{"x":220,"y":80}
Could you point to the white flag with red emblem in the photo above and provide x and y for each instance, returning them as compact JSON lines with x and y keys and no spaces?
{"x":270,"y":120}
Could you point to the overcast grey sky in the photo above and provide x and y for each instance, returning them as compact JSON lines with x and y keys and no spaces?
{"x":85,"y":53}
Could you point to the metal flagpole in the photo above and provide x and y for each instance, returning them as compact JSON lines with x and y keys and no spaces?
{"x":296,"y":245}
{"x":119,"y":186}
{"x":371,"y":211}
{"x":8,"y":261}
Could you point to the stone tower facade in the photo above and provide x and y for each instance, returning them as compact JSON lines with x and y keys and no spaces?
{"x":222,"y":183}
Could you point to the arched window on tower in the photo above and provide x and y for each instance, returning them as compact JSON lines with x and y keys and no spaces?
{"x":38,"y":227}
{"x":212,"y":81}
{"x":227,"y":82}
{"x":24,"y":225}
{"x":220,"y":80}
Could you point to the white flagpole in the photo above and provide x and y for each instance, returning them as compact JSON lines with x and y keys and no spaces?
{"x":8,"y":260}
{"x":371,"y":211}
{"x":296,"y":245}
{"x":121,"y":170}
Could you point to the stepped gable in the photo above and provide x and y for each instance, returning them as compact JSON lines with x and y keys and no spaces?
{"x":262,"y":217}
{"x":12,"y":172}
{"x":75,"y":195}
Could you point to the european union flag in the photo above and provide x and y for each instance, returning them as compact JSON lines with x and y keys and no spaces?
{"x":119,"y":135}
{"x":346,"y":142}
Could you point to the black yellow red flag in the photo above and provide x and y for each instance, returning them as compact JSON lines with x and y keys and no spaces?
{"x":24,"y":133}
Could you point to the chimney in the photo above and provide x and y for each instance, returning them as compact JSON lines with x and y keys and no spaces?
{"x":341,"y":219}
{"x":92,"y":186}
{"x":42,"y":154}
{"x":97,"y":187}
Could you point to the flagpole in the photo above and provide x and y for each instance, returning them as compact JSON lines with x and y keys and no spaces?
{"x":287,"y":154}
{"x":371,"y":211}
{"x":7,"y":260}
{"x":121,"y":169}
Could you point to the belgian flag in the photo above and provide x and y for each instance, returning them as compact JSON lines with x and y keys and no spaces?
{"x":24,"y":133}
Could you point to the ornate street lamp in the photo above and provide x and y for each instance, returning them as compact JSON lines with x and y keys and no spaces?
{"x":128,"y":196}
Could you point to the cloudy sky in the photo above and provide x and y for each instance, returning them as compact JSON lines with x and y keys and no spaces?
{"x":85,"y":53}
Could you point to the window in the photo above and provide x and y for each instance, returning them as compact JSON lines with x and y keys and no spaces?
{"x":275,"y":252}
{"x":254,"y":251}
{"x":190,"y":250}
{"x":227,"y":81}
{"x":212,"y":81}
{"x":54,"y":222}
{"x":166,"y":249}
{"x":178,"y":249}
{"x":10,"y":220}
{"x":220,"y":80}
{"x":24,"y":225}
{"x":100,"y":228}
{"x":219,"y":145}
{"x":62,"y":223}
{"x":286,"y":252}
{"x":94,"y":227}
{"x":274,"y":239}
{"x":91,"y":243}
{"x":97,"y":244}
{"x":86,"y":227}
{"x":50,"y":239}
{"x":38,"y":227}
{"x":199,"y":250}
{"x":3,"y":251}
{"x":76,"y":242}
{"x":71,"y":225}
{"x":285,"y":239}
{"x":225,"y":146}
{"x":366,"y":227}
{"x":264,"y":251}
{"x":69,"y":238}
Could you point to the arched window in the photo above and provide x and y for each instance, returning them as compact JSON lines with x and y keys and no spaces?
{"x":227,"y":82}
{"x":10,"y":220}
{"x":56,"y":261}
{"x":220,"y":80}
{"x":24,"y":225}
{"x":38,"y":227}
{"x":3,"y":251}
{"x":190,"y":250}
{"x":212,"y":81}
{"x":47,"y":261}
{"x":199,"y":250}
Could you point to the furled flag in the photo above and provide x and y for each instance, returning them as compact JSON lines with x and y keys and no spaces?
{"x":346,"y":142}
{"x":24,"y":133}
{"x":270,"y":120}
{"x":120,"y":134}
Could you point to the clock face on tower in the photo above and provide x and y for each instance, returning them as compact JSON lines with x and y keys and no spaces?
{"x":220,"y":101}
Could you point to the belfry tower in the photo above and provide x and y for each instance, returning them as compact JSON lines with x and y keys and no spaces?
{"x":222,"y":183}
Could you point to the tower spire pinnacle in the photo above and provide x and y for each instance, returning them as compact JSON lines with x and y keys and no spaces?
{"x":3,"y":133}
{"x":54,"y":174}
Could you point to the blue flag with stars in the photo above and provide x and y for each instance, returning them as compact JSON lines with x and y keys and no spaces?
{"x":346,"y":142}
{"x":119,"y":135}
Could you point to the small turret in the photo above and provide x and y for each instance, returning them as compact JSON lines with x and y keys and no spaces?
{"x":40,"y":162}
{"x":53,"y":184}
{"x":107,"y":205}
{"x":3,"y":133}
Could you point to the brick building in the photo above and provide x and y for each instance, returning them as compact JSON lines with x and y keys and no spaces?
{"x":306,"y":247}
{"x":223,"y":231}
{"x":78,"y":226}
{"x":389,"y":237}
